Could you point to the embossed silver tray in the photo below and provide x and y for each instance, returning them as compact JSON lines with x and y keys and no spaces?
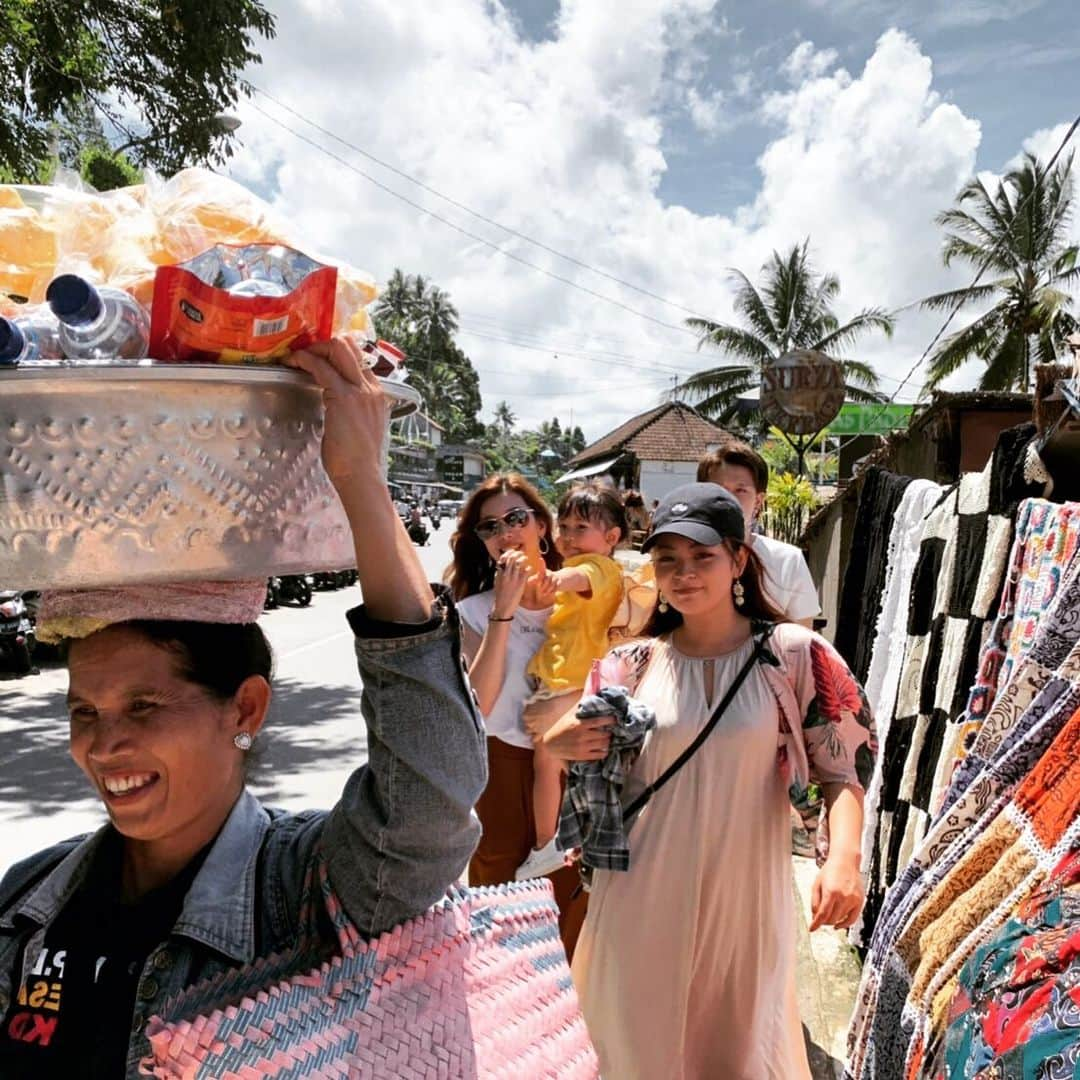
{"x":124,"y":474}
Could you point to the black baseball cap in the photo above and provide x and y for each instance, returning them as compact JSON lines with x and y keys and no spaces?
{"x":705,"y":513}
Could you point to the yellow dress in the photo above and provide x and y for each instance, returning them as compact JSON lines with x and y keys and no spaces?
{"x":577,"y":632}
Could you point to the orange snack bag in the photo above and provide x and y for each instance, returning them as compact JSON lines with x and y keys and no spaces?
{"x":248,"y":304}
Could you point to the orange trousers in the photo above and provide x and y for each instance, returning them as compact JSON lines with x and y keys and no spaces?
{"x":506,"y":813}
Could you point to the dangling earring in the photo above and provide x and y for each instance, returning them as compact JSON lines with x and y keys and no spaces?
{"x":739,"y":593}
{"x":545,"y":547}
{"x":663,"y":606}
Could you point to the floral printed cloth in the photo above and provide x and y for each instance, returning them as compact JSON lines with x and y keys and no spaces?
{"x":1016,"y":1011}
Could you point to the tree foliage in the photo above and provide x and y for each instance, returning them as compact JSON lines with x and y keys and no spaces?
{"x":791,"y":309}
{"x":1020,"y":230}
{"x":159,"y":74}
{"x":421,"y":319}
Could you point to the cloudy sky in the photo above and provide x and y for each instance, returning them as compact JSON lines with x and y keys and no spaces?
{"x":647,"y":146}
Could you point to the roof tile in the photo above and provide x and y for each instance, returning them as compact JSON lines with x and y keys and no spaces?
{"x":670,"y":432}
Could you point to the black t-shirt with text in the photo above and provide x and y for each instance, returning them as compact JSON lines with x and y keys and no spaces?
{"x":72,"y":1016}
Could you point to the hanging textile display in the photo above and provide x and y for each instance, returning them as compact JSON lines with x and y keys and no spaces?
{"x":1046,"y":537}
{"x":1014,"y":1012}
{"x":864,"y":585}
{"x":952,"y":595}
{"x":989,"y":852}
{"x":883,"y":679}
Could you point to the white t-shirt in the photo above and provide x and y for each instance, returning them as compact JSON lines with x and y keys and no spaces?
{"x":787,"y":578}
{"x":528,"y":632}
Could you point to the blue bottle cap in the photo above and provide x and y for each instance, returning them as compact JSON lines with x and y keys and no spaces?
{"x":12,"y":342}
{"x":74,"y":301}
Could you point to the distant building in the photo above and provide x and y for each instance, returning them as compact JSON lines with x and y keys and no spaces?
{"x":651,"y":453}
{"x":953,"y":434}
{"x":461,"y":467}
{"x":415,"y":442}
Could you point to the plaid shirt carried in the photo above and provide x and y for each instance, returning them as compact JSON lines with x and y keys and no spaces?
{"x":592,"y":814}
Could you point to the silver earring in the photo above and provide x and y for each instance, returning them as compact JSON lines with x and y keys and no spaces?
{"x":242,"y":740}
{"x":662,"y":607}
{"x":545,"y":547}
{"x":739,"y":592}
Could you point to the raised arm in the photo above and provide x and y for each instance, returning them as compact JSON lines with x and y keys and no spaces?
{"x":394,"y":584}
{"x":404,"y":829}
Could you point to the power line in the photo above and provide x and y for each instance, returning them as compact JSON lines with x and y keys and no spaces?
{"x":466,"y":232}
{"x":476,"y":213}
{"x":646,"y":366}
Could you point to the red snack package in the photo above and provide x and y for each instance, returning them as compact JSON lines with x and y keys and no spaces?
{"x":241,"y":305}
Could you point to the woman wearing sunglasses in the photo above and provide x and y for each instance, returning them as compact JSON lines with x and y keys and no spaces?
{"x":503,"y":550}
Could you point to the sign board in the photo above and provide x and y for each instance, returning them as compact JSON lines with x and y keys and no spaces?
{"x":453,"y":469}
{"x":802,"y":392}
{"x":871,"y":419}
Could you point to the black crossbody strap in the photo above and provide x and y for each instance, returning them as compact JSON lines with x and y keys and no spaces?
{"x":760,"y":653}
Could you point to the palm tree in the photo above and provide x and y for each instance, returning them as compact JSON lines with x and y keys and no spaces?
{"x":395,"y":301}
{"x":436,"y":316}
{"x":1020,"y":232}
{"x":791,"y":310}
{"x":505,"y":418}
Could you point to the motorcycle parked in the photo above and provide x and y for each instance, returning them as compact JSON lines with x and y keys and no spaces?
{"x":295,"y":589}
{"x":17,"y":638}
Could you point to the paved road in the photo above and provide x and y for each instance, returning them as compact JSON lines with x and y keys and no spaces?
{"x":313,"y":738}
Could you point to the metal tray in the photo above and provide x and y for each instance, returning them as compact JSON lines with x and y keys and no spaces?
{"x":134,"y":473}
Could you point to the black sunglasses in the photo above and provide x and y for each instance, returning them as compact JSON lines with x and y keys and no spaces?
{"x":512,"y":519}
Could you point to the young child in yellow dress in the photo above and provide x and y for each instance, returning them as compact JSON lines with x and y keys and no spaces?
{"x":591,"y":525}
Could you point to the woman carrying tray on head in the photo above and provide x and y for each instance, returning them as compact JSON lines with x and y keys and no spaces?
{"x":686,"y":963}
{"x":192,"y":875}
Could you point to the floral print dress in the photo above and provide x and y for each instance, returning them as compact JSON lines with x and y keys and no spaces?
{"x":686,"y":964}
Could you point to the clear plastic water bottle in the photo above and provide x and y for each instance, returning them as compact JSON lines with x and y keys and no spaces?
{"x":97,"y":323}
{"x":30,"y":337}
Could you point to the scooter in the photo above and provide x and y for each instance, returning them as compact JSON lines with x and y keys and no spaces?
{"x":417,"y":533}
{"x":296,"y":589}
{"x":17,"y":639}
{"x":436,"y":519}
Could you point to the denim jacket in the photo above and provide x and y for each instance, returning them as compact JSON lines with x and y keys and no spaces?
{"x":400,"y":835}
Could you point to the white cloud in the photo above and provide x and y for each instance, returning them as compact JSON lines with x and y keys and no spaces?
{"x":561,"y":140}
{"x":807,"y":62}
{"x":707,"y":111}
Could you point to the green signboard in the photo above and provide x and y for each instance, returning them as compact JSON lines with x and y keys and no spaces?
{"x":870,"y":419}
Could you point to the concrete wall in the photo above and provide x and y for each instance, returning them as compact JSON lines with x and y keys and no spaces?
{"x":657,"y":478}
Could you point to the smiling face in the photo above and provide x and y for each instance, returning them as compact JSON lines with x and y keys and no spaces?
{"x":695,"y":579}
{"x":157,"y":748}
{"x":739,"y":481}
{"x":585,"y":536}
{"x":524,"y":537}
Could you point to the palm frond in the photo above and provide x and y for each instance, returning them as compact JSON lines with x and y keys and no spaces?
{"x":971,"y":294}
{"x":977,"y":340}
{"x":1005,"y":364}
{"x":866,"y":321}
{"x":859,"y":373}
{"x":731,"y":339}
{"x":750,"y":304}
{"x":734,"y":379}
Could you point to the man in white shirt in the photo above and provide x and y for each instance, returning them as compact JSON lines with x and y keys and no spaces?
{"x":740,"y":469}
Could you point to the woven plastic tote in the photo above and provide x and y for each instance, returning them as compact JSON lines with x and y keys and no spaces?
{"x":478,"y":987}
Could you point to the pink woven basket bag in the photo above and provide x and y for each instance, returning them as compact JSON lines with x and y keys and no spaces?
{"x":477,"y":987}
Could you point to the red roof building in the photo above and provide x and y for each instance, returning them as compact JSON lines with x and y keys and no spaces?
{"x":652,"y":453}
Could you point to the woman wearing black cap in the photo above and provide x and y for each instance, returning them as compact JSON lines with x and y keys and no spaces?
{"x":686,"y":964}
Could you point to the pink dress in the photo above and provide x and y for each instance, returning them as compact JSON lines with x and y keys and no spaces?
{"x":686,"y":963}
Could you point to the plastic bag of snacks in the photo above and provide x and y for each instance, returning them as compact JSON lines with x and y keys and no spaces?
{"x":241,"y":305}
